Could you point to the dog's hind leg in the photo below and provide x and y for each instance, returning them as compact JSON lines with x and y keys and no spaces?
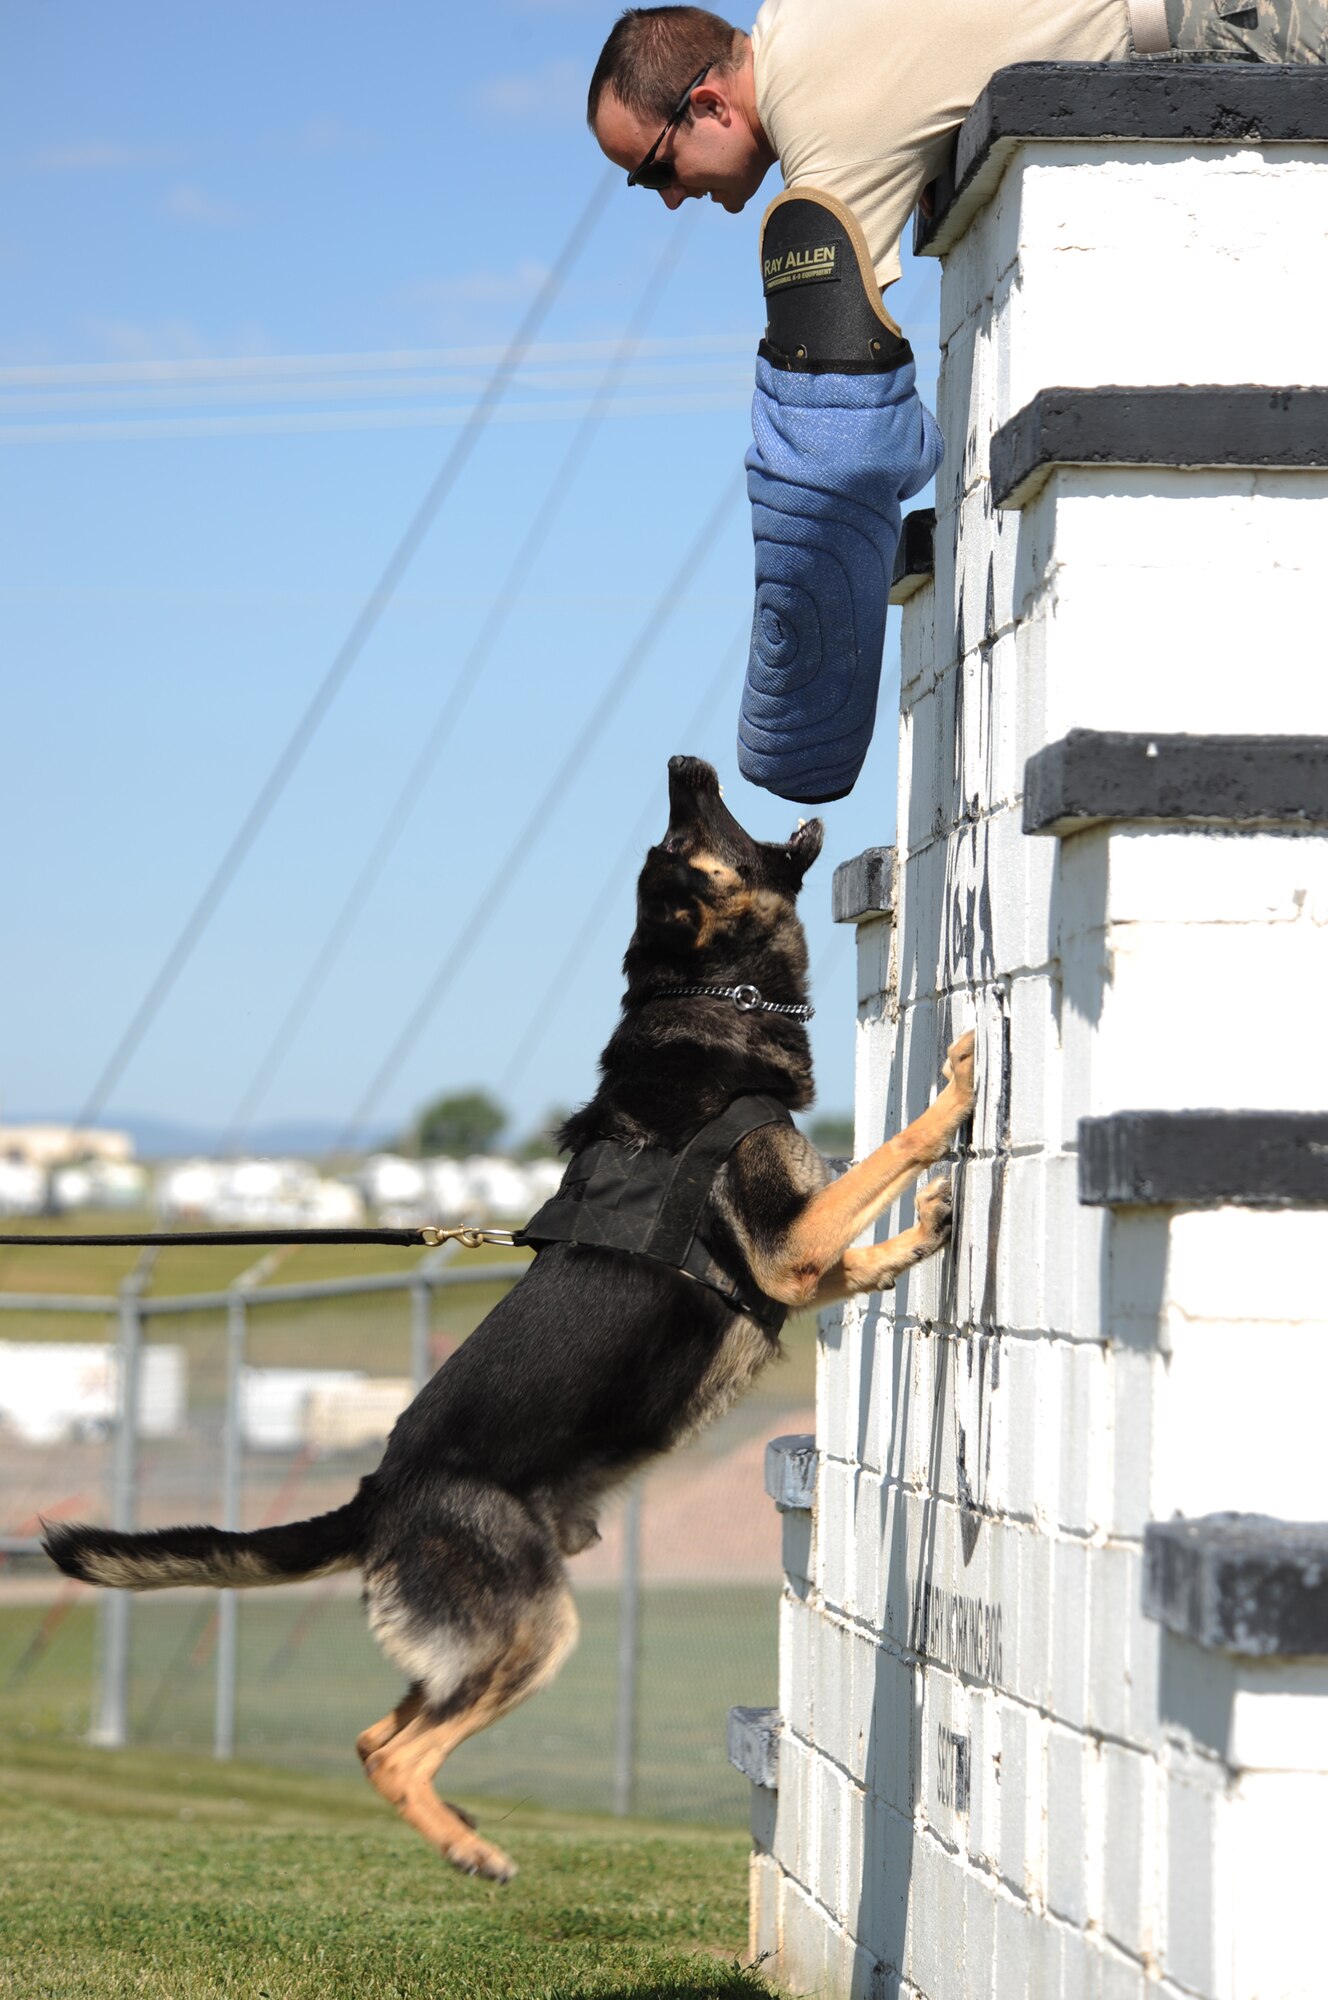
{"x":379,"y":1734}
{"x":404,"y":1768}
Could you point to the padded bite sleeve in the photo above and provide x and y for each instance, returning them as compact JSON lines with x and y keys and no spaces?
{"x":839,"y":440}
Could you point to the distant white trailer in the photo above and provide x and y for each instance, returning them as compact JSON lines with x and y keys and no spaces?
{"x":387,"y":1180}
{"x":351,"y":1416}
{"x":332,"y":1205}
{"x":499,"y":1187}
{"x":51,"y":1392}
{"x":274,"y":1402}
{"x":188,"y":1192}
{"x":445,"y":1190}
{"x":449,"y":1196}
{"x":22,"y":1187}
{"x":256,"y":1194}
{"x":99,"y":1184}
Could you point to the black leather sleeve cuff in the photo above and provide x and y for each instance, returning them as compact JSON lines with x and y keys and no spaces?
{"x":823,"y":308}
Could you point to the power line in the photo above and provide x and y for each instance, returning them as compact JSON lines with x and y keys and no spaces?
{"x":630,"y":850}
{"x":426,"y":415}
{"x":276,"y":367}
{"x":506,"y":872}
{"x":465,"y":685}
{"x":831,"y":954}
{"x":350,"y":650}
{"x":299,"y":395}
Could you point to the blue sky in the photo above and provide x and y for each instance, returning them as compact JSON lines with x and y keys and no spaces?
{"x":258,"y":263}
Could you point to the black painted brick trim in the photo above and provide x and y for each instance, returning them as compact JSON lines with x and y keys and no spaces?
{"x":1217,"y":424}
{"x":1093,"y":775}
{"x":790,"y":1472}
{"x":864,"y":887}
{"x":1204,"y":1159}
{"x":1201,"y":103}
{"x":1240,"y":1583}
{"x":915,"y":557}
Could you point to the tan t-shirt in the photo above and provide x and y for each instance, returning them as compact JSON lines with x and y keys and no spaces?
{"x":863,"y":97}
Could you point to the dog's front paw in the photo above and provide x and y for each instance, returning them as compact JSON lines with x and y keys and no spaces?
{"x":936,"y":1211}
{"x":957,"y":1069}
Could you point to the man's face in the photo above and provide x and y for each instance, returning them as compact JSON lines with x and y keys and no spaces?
{"x":712,"y":154}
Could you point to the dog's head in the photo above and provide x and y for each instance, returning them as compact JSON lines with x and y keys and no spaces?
{"x":710,"y":898}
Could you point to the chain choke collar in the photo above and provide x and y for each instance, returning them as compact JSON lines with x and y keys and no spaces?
{"x":747,"y":999}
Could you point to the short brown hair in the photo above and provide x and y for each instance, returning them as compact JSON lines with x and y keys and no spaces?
{"x":651,"y":54}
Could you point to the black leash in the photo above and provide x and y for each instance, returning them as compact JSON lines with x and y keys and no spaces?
{"x":426,"y":1237}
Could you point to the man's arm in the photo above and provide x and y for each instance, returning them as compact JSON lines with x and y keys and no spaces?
{"x":840,"y":439}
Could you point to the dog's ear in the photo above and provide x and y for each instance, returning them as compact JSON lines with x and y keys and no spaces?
{"x":804,"y":844}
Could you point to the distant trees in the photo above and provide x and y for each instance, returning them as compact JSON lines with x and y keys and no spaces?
{"x":539,"y":1144}
{"x":461,"y":1123}
{"x":832,"y":1131}
{"x":471,"y":1121}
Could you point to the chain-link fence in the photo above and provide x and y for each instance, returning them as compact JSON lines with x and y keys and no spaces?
{"x":266,"y":1401}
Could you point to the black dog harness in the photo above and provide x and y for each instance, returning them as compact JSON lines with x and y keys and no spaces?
{"x":652,"y":1202}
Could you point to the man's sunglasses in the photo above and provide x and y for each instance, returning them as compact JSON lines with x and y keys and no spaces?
{"x":656,"y":174}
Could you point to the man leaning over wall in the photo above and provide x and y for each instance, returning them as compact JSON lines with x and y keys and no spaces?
{"x":859,"y":102}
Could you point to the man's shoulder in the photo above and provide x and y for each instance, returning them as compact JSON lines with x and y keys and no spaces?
{"x":785,"y":28}
{"x":804,"y":68}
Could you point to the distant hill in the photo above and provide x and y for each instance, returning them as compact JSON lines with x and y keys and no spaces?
{"x":164,"y":1138}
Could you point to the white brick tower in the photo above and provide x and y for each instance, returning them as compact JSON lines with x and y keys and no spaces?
{"x":1054,"y":1649}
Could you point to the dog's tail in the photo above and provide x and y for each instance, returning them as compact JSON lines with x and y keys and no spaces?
{"x":173,"y":1556}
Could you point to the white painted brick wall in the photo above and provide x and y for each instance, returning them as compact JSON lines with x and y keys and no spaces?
{"x":1173,"y":545}
{"x":1146,"y":228}
{"x":998,"y":1780}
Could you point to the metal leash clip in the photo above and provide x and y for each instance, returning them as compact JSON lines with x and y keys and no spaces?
{"x":470,"y":1239}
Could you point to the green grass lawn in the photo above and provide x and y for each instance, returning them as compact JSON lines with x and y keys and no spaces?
{"x":161,"y":1875}
{"x":311,"y":1678}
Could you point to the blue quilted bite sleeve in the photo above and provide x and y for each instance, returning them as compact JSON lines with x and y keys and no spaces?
{"x":831,"y":459}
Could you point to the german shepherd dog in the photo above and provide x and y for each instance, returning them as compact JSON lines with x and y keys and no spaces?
{"x":597,"y":1360}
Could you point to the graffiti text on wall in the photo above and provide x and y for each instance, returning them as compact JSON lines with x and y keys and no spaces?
{"x":963,"y":1633}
